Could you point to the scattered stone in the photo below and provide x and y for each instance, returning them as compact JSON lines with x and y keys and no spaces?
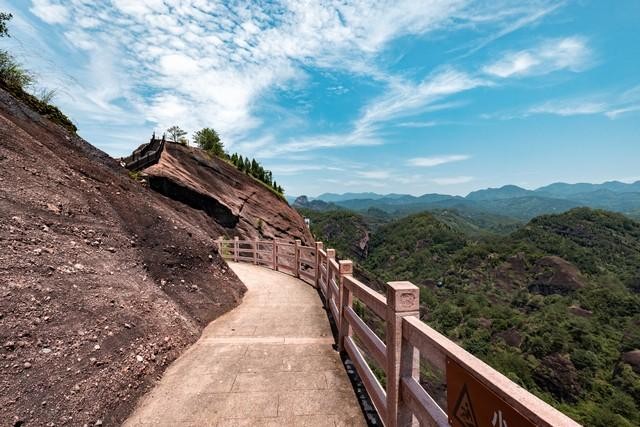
{"x":111,"y":249}
{"x":128,"y":326}
{"x":98,"y":423}
{"x":78,"y":266}
{"x":27,"y":365}
{"x":10,"y":345}
{"x":46,"y":350}
{"x":96,"y":347}
{"x":139,"y":358}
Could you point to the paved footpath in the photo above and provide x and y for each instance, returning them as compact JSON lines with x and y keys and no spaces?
{"x":269,"y":362}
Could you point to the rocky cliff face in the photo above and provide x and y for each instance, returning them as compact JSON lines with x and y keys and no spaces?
{"x":104,"y":282}
{"x":241,"y":205}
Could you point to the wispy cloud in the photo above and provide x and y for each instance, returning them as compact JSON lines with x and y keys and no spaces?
{"x":569,"y":53}
{"x":375,"y":174}
{"x":426,"y":124}
{"x":432,"y":161}
{"x":569,"y":108}
{"x":612,"y":105}
{"x":401,"y":99}
{"x":508,"y":20}
{"x":452,"y":180}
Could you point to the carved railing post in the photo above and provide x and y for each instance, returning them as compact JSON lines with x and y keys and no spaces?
{"x":219,"y":242}
{"x":236,"y":248}
{"x":331,"y":254}
{"x":319,"y":246}
{"x":274,"y":254}
{"x":255,"y":251}
{"x":296,"y":258}
{"x":403,"y":299}
{"x":344,"y":300}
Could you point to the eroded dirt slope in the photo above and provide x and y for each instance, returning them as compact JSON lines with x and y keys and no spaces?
{"x":243,"y":206}
{"x":102,"y":282}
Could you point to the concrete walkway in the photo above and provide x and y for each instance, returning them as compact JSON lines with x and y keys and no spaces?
{"x":269,"y":362}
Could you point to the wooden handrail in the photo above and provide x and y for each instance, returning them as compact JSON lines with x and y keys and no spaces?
{"x":403,"y":402}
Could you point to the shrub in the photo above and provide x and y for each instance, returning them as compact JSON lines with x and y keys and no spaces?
{"x":12,"y":73}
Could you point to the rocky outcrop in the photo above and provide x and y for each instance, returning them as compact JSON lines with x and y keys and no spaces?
{"x":557,"y":375}
{"x":240,"y":204}
{"x":103,"y":282}
{"x":554,"y":275}
{"x":303,"y":202}
{"x":633,"y":359}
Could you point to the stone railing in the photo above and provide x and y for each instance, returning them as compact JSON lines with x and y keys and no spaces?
{"x":477,"y":395}
{"x":145,"y":156}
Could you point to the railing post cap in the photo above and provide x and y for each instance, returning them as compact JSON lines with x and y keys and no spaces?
{"x":403,"y":296}
{"x":319,"y":245}
{"x":298,"y":241}
{"x":346,"y":266}
{"x":236,"y":238}
{"x":331,"y":253}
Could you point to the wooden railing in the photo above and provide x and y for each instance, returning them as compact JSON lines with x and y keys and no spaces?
{"x":408,"y":342}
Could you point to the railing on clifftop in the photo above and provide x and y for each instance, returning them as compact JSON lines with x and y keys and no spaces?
{"x":477,"y":395}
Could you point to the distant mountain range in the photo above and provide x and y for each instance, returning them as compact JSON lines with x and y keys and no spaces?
{"x":510,"y":200}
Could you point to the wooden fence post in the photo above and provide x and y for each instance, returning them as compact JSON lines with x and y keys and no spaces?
{"x":296,"y":258}
{"x":219,"y":242}
{"x":236,"y":248}
{"x":274,"y":254}
{"x":403,"y":299}
{"x":319,"y":246}
{"x":344,"y":300}
{"x":255,"y":251}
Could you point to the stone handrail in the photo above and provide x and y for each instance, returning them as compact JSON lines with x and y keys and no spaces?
{"x":403,"y":402}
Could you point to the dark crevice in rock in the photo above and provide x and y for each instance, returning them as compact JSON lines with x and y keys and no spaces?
{"x":244,"y":202}
{"x":212,"y":207}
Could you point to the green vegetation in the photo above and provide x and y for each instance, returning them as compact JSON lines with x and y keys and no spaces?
{"x":4,"y":19}
{"x":209,"y":140}
{"x":177,"y":134}
{"x":347,"y":232}
{"x":254,"y":168}
{"x":555,"y":305}
{"x":16,"y":79}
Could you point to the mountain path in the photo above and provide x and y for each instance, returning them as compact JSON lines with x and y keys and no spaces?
{"x":269,"y":362}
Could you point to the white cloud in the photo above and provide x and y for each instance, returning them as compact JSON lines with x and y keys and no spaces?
{"x":50,"y":12}
{"x":452,"y":180}
{"x":569,"y":53}
{"x":436,"y":160}
{"x":217,"y":62}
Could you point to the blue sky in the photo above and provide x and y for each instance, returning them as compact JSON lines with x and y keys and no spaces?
{"x":337,"y":96}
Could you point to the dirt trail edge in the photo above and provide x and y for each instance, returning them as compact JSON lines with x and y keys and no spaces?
{"x":103,"y":283}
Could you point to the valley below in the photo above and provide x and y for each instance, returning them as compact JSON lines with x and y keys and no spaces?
{"x":553,"y":303}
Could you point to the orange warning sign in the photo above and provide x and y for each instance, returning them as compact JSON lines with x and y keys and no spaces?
{"x":471,"y":404}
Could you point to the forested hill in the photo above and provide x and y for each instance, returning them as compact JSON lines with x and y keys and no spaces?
{"x":555,"y":305}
